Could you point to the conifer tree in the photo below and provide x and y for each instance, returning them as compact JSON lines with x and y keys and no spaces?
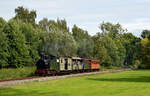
{"x":19,"y":54}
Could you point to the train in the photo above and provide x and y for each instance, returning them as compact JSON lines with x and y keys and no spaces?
{"x":49,"y":65}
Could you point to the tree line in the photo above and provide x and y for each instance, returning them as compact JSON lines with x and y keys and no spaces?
{"x":22,"y":40}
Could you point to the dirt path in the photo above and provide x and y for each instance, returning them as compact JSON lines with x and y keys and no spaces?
{"x":21,"y":81}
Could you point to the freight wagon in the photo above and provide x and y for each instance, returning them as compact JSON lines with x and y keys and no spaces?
{"x":53,"y":65}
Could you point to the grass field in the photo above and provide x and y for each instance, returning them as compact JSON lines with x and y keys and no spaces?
{"x":16,"y":72}
{"x":128,"y":83}
{"x":12,"y":73}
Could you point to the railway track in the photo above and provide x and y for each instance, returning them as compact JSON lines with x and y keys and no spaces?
{"x":39,"y":79}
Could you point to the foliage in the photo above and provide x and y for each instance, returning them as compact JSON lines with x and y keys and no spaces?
{"x":100,"y":52}
{"x":121,"y":52}
{"x":112,"y":30}
{"x":145,"y":33}
{"x":44,"y":24}
{"x":32,"y":36}
{"x":22,"y":40}
{"x":57,"y":40}
{"x":3,"y":45}
{"x":108,"y":46}
{"x":25,"y":15}
{"x":133,"y":48}
{"x":136,"y":64}
{"x":84,"y":41}
{"x":145,"y":53}
{"x":18,"y":50}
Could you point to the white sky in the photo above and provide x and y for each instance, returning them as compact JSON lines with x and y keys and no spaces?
{"x":87,"y":14}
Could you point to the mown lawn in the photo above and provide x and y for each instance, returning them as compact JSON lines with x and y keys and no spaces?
{"x":128,"y":83}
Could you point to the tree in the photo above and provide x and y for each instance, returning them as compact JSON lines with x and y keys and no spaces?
{"x":145,"y":34}
{"x":47,"y":25}
{"x":44,"y":24}
{"x":84,"y":41}
{"x":110,"y":37}
{"x":25,"y":15}
{"x":100,"y":52}
{"x":59,"y":43}
{"x":113,"y":30}
{"x":4,"y":45}
{"x":133,"y":48}
{"x":57,"y":40}
{"x":145,"y":53}
{"x":111,"y":48}
{"x":18,"y":51}
{"x":60,"y":24}
{"x":121,"y":52}
{"x":32,"y":37}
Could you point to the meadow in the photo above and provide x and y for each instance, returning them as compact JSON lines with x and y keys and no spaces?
{"x":127,"y":83}
{"x":12,"y":73}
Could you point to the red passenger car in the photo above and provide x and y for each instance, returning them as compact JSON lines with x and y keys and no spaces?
{"x":95,"y":64}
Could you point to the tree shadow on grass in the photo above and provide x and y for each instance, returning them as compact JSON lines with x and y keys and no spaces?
{"x":145,"y":79}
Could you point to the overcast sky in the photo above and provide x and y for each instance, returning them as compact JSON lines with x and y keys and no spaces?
{"x":87,"y":14}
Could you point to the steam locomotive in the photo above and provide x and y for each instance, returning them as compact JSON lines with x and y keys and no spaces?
{"x":54,"y":65}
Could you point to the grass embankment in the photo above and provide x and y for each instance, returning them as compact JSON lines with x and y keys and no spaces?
{"x":128,"y":83}
{"x":13,"y":73}
{"x":102,"y":68}
{"x":16,"y":73}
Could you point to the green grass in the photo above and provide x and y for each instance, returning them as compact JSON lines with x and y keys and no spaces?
{"x":128,"y":83}
{"x":16,"y":72}
{"x":107,"y":68}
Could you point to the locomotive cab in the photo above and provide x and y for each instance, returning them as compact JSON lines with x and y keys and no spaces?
{"x":42,"y":65}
